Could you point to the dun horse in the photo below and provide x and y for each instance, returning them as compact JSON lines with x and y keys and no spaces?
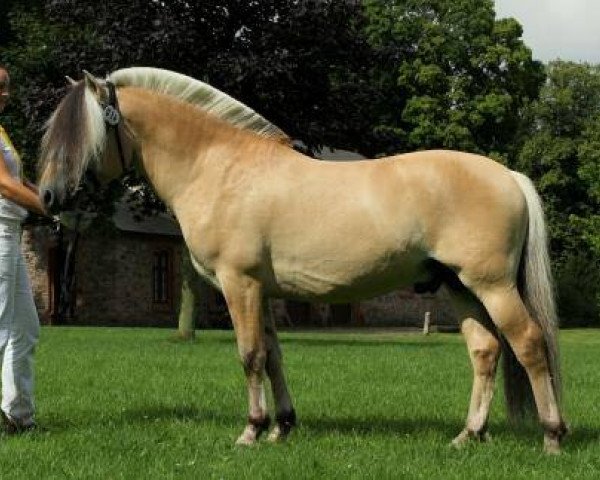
{"x":262,"y":220}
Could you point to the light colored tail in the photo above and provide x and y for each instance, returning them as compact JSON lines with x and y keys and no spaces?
{"x":537,"y":290}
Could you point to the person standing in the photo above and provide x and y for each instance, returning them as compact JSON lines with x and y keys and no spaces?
{"x":19,"y":323}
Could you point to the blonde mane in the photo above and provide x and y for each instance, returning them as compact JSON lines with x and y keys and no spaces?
{"x":76,"y":132}
{"x":200,"y":94}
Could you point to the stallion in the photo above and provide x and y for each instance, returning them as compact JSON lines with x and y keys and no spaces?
{"x":262,"y":220}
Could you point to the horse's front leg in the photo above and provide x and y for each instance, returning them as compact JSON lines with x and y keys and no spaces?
{"x":285,"y":414}
{"x":244,"y":300}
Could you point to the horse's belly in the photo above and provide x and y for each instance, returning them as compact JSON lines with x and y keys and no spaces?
{"x":335,"y":280}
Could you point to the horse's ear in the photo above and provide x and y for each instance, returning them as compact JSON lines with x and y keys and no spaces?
{"x":92,"y":83}
{"x":70,"y":81}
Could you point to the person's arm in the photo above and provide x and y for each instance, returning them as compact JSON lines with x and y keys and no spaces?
{"x":31,"y":186}
{"x":15,"y":191}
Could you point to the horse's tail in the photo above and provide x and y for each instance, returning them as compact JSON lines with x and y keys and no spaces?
{"x":537,"y":290}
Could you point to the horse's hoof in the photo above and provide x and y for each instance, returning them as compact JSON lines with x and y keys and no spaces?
{"x":245,"y":442}
{"x":552,"y":438}
{"x":552,"y":445}
{"x":461,"y":439}
{"x":286,"y":421}
{"x":466,"y":435}
{"x":277,"y":435}
{"x":551,"y":448}
{"x":248,"y":437}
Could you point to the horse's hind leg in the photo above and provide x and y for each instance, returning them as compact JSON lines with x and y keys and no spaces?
{"x":244,"y":300}
{"x":525,"y":337}
{"x":484,"y":349}
{"x":285,"y":414}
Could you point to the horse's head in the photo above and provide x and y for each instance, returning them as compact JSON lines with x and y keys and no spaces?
{"x":86,"y":144}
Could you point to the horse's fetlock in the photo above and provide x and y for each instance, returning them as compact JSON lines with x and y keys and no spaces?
{"x":260,"y":424}
{"x":480,"y":433}
{"x":555,"y":430}
{"x":286,"y":421}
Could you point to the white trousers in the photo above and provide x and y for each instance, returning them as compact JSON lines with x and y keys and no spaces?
{"x":19,"y":326}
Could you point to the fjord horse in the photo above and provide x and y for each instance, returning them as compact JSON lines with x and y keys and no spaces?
{"x":262,"y":220}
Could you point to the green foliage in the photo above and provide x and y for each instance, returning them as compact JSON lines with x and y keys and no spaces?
{"x":589,"y":173}
{"x":577,"y":282}
{"x":457,"y":77}
{"x":560,"y":153}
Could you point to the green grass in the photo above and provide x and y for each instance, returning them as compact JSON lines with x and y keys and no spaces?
{"x":130,"y":403}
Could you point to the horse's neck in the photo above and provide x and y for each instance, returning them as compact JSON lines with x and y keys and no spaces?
{"x":174,"y":140}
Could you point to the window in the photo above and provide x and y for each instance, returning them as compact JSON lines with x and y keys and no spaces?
{"x":162,"y":290}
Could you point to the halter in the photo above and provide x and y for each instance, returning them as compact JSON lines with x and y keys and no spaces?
{"x":112,"y":118}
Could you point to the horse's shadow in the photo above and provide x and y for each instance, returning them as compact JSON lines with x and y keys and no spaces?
{"x":378,"y":425}
{"x":393,"y":426}
{"x":367,"y":425}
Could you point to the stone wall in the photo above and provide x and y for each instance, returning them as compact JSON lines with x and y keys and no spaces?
{"x":404,"y":308}
{"x":114,"y":281}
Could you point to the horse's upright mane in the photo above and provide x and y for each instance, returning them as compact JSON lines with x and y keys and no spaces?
{"x":200,"y":94}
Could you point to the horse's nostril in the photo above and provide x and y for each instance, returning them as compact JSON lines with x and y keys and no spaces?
{"x":48,"y":198}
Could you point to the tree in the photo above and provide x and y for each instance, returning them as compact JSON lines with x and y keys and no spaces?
{"x":454,"y":76}
{"x":589,"y":174}
{"x":560,"y":152}
{"x":290,"y":61}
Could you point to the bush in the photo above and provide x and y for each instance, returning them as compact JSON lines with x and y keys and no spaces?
{"x":578,"y":291}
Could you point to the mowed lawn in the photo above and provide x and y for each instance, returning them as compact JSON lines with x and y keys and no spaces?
{"x":131,"y":403}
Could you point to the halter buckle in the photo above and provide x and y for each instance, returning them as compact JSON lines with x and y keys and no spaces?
{"x":111,"y":115}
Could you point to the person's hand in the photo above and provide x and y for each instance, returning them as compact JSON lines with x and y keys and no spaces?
{"x":75,"y":220}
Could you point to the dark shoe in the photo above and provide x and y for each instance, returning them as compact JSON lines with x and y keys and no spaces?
{"x":12,"y":427}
